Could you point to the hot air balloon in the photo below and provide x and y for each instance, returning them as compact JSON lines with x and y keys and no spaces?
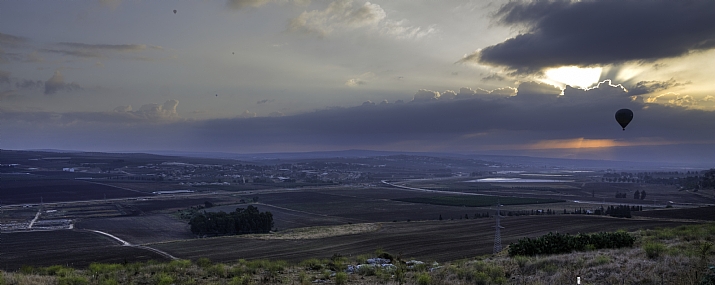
{"x":174,"y":11}
{"x":623,"y":117}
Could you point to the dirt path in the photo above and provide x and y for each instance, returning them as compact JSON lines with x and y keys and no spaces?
{"x":37,"y":216}
{"x":125,"y":243}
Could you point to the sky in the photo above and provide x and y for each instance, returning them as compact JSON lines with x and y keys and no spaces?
{"x":538,"y":78}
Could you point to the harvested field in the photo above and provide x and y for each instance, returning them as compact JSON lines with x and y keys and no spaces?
{"x":141,"y":229}
{"x":476,"y":201}
{"x":357,"y":209}
{"x":59,"y":190}
{"x":702,"y":213}
{"x":432,"y":240}
{"x":65,"y":247}
{"x":318,"y":232}
{"x":284,"y":218}
{"x":146,"y":186}
{"x":172,"y":204}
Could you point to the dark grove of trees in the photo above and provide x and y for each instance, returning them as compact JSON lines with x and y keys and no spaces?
{"x":688,"y":180}
{"x":241,"y":221}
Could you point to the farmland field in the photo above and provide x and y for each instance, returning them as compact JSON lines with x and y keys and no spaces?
{"x":140,"y":229}
{"x":702,"y":213}
{"x":430,"y":240}
{"x":476,"y":201}
{"x":65,"y":247}
{"x":57,"y":190}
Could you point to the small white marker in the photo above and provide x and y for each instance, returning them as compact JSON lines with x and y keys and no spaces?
{"x":578,"y":280}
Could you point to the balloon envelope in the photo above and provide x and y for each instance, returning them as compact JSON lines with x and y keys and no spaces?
{"x":623,"y":117}
{"x":174,"y":11}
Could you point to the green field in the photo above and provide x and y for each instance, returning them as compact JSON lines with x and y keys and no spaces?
{"x":476,"y":201}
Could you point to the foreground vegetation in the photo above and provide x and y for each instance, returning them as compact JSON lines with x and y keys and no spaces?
{"x":682,"y":255}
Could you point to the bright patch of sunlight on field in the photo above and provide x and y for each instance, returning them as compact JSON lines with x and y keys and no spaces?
{"x":318,"y":232}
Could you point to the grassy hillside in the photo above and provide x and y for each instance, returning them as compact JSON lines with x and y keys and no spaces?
{"x":678,"y":255}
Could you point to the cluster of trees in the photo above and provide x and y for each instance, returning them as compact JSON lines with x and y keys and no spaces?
{"x":564,"y":243}
{"x":187,"y":214}
{"x":687,"y":179}
{"x":466,"y":216}
{"x":637,"y":195}
{"x":532,"y":212}
{"x":620,"y":211}
{"x":241,"y":221}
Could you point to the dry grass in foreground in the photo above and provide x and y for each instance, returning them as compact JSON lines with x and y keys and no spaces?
{"x":663,"y":256}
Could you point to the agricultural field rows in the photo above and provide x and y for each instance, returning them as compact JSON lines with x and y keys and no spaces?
{"x":65,"y":247}
{"x":430,"y":240}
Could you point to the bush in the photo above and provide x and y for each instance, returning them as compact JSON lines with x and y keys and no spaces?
{"x":367,"y":270}
{"x":242,"y":280}
{"x":563,"y":243}
{"x":109,"y":281}
{"x":341,"y":278}
{"x":164,"y":279}
{"x":654,"y":249}
{"x":72,"y":280}
{"x":303,"y":278}
{"x":312,"y":264}
{"x":424,"y":279}
{"x":203,"y":262}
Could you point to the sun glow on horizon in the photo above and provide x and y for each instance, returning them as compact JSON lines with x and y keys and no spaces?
{"x":574,"y":76}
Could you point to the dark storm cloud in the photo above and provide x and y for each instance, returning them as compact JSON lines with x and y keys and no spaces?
{"x":29,"y":84}
{"x":57,"y":83}
{"x":537,"y":92}
{"x":10,"y":40}
{"x":477,"y":122}
{"x":509,"y":120}
{"x":645,"y":87}
{"x":4,"y":77}
{"x":585,"y":33}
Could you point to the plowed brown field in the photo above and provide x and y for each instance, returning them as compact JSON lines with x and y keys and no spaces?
{"x":431,"y":240}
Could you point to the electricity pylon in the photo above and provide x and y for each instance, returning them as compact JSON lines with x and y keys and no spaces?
{"x":497,"y":232}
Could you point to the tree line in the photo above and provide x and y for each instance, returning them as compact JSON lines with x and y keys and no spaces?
{"x":240,"y":221}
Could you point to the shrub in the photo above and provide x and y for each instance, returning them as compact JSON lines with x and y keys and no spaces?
{"x":367,"y":270}
{"x":481,"y":278}
{"x":203,"y":262}
{"x":164,"y":279}
{"x":26,"y":269}
{"x":242,"y":280}
{"x":109,"y":281}
{"x":600,"y":260}
{"x":72,"y":280}
{"x":303,"y":278}
{"x":424,"y":279}
{"x":654,"y":249}
{"x":312,"y":264}
{"x":341,"y":278}
{"x":563,"y":243}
